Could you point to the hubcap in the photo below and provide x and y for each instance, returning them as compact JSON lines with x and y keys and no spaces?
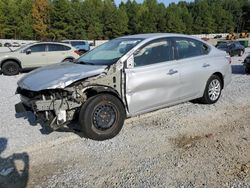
{"x":214,"y":90}
{"x":104,"y":116}
{"x":11,"y":69}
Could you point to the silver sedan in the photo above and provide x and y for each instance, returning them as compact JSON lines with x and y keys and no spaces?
{"x":125,"y":77}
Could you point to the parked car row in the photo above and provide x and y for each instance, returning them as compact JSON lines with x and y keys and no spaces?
{"x":124,"y":77}
{"x":14,"y":44}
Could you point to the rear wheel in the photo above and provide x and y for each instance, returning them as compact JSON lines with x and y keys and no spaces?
{"x":241,"y":53}
{"x":82,"y":52}
{"x":213,"y":89}
{"x":247,"y":69}
{"x":10,"y":68}
{"x":102,"y":117}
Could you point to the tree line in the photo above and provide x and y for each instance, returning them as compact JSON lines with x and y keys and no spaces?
{"x":102,"y":19}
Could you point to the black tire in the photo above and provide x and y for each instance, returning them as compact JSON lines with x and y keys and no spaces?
{"x":207,"y":99}
{"x":82,"y":52}
{"x":10,"y":68}
{"x":241,"y":53}
{"x":98,"y":109}
{"x":247,"y":69}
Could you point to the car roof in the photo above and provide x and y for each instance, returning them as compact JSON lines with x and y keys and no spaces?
{"x":61,"y":43}
{"x":74,"y":40}
{"x":157,"y":35}
{"x":152,"y":36}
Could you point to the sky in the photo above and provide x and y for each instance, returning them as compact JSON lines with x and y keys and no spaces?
{"x":166,"y":2}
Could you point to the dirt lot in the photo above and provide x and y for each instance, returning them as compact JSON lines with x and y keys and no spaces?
{"x":188,"y":145}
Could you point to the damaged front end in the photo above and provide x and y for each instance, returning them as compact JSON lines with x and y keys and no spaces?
{"x":54,"y":105}
{"x":52,"y":108}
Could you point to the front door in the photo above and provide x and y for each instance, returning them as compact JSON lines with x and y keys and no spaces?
{"x":154,"y":80}
{"x":34,"y":56}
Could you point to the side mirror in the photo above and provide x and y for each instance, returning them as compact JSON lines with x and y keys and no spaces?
{"x":130,"y":62}
{"x":28,"y":51}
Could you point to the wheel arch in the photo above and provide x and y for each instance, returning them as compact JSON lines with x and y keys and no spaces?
{"x":11,"y":59}
{"x":69,"y":57}
{"x":95,"y":90}
{"x":221,"y":77}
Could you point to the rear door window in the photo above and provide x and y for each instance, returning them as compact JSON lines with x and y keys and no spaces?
{"x":186,"y":48}
{"x":77,"y":43}
{"x":57,"y":47}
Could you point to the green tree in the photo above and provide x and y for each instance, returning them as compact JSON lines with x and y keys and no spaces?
{"x":40,"y":16}
{"x":134,"y":12}
{"x":2,"y":19}
{"x":203,"y":18}
{"x":92,"y":13}
{"x":174,"y":19}
{"x":115,"y":20}
{"x":246,"y":16}
{"x":25,"y":31}
{"x":77,"y":29}
{"x":60,"y":19}
{"x":149,"y":16}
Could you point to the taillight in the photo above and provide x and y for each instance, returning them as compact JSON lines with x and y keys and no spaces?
{"x":77,"y":52}
{"x":228,"y":57}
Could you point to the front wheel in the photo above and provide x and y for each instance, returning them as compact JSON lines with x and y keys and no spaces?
{"x":212,"y":91}
{"x":10,"y":68}
{"x":102,"y":117}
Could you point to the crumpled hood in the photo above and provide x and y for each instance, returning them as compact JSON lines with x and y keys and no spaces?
{"x":58,"y":76}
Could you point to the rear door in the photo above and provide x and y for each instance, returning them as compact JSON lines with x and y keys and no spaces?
{"x":154,"y":81}
{"x":34,"y":56}
{"x":194,"y":66}
{"x":57,"y":53}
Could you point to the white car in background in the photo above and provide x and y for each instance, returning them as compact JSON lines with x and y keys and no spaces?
{"x":36,"y":55}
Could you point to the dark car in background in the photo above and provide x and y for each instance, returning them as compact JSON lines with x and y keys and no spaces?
{"x":81,"y":45}
{"x":232,"y":48}
{"x":247,"y":64}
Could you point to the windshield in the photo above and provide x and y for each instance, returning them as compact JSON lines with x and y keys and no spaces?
{"x":21,"y":48}
{"x":78,"y":43}
{"x":109,"y":52}
{"x":222,"y":45}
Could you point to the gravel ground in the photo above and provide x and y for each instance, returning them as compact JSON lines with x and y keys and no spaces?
{"x":188,"y":145}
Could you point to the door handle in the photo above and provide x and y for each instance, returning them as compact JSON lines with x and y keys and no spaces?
{"x":206,"y":65}
{"x":172,"y":71}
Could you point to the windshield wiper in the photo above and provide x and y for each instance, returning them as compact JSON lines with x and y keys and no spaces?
{"x":85,"y":63}
{"x":10,"y":49}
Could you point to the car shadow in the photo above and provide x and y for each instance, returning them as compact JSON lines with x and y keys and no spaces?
{"x":72,"y":127}
{"x":238,"y":69}
{"x":30,"y":117}
{"x":14,"y":170}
